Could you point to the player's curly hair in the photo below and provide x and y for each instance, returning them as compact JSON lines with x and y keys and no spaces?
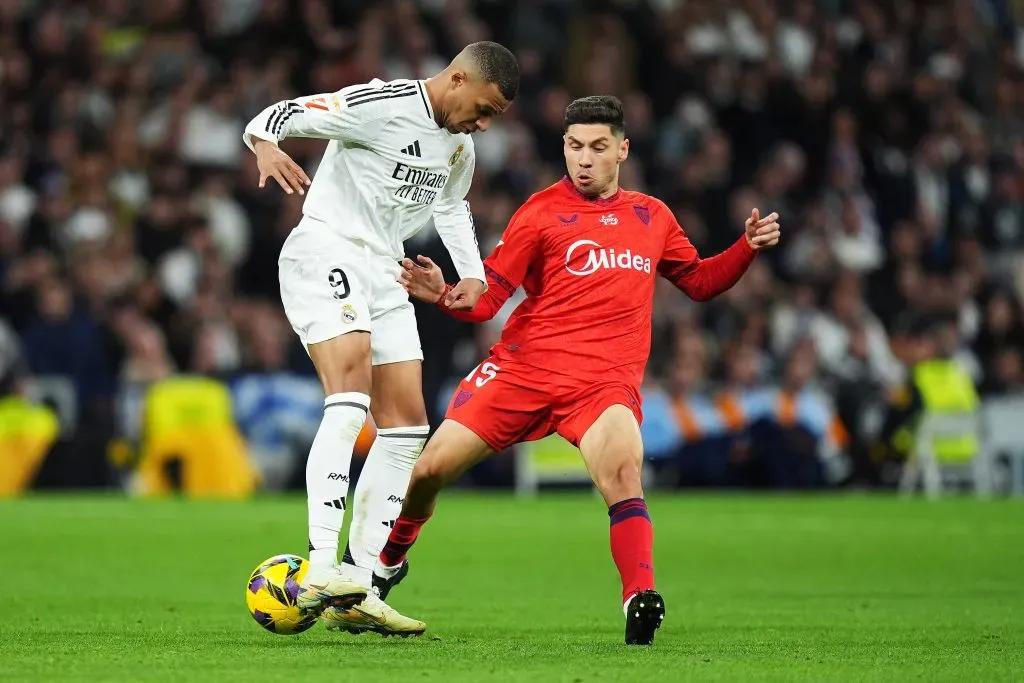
{"x":605,"y":109}
{"x":496,"y":64}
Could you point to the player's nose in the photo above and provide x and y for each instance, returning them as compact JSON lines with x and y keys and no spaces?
{"x":483,"y":123}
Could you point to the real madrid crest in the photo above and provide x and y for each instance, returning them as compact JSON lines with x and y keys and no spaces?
{"x":455,"y":155}
{"x":348,"y":313}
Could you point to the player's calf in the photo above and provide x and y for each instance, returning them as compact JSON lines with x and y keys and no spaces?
{"x":612,"y":449}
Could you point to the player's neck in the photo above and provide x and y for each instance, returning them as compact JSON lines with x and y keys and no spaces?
{"x":434,"y":88}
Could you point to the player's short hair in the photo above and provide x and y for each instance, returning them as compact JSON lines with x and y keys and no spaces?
{"x":496,"y":64}
{"x":606,"y":109}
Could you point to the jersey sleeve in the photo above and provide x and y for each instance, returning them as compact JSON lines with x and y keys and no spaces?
{"x":506,"y":267}
{"x":701,"y":278}
{"x":329,"y":116}
{"x":453,"y":220}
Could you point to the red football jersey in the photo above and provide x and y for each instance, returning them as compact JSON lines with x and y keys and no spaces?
{"x":588,"y":267}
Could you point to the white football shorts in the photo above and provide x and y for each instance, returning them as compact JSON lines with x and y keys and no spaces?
{"x":331,"y":286}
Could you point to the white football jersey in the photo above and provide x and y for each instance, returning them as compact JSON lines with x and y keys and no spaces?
{"x":387,"y":169}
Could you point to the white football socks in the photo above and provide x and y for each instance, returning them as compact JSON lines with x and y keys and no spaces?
{"x":327,"y":473}
{"x":381,"y":489}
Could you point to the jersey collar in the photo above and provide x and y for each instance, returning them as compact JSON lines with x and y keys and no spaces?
{"x":599,"y":201}
{"x":422,"y":86}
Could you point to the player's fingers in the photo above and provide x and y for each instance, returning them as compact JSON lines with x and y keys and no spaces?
{"x":407,"y":263}
{"x":281,"y":182}
{"x":425,"y":261}
{"x":755,"y":215}
{"x":292,"y":179}
{"x":769,"y":239}
{"x":765,"y":229}
{"x":300,"y":173}
{"x":263,"y":179}
{"x":770,"y":218}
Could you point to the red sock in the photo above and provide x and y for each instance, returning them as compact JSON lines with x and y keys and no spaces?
{"x":632,"y":538}
{"x":402,"y":536}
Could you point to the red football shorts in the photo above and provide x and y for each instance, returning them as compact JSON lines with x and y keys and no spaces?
{"x":506,"y":403}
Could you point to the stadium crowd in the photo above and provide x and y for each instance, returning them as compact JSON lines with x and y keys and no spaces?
{"x":135,"y":245}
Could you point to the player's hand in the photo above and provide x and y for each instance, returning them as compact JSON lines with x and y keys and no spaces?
{"x":762,"y":233}
{"x":423,"y":280}
{"x":273,"y":162}
{"x":464,"y":295}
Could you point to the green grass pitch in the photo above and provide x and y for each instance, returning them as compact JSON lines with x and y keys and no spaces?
{"x":757,"y":588}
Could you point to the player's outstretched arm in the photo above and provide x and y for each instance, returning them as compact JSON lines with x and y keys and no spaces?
{"x":704,"y":279}
{"x":328,"y":116}
{"x":423,"y":280}
{"x":454,"y":224}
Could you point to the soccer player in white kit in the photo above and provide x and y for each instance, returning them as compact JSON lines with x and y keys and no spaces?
{"x":399,"y":153}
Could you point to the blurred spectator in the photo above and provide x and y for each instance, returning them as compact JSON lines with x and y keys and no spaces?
{"x":936,"y":382}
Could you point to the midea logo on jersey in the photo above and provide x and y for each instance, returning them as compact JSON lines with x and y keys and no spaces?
{"x":599,"y":257}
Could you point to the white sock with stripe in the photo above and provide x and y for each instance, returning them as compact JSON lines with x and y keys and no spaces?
{"x":380,"y":492}
{"x":327,"y":472}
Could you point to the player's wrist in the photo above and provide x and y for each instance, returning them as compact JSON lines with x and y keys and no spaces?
{"x":260,"y":143}
{"x":444,"y":294}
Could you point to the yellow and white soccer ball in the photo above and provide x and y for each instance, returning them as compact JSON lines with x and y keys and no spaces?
{"x":271,"y":594}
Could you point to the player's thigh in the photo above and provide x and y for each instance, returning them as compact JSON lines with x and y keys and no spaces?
{"x":326,"y":301}
{"x":452,"y":450}
{"x":397,"y":395}
{"x":613,"y":452}
{"x":502,"y":405}
{"x":394,"y":335}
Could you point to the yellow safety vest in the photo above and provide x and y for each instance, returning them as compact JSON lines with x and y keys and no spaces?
{"x":189,"y":420}
{"x":947,"y":388}
{"x":27,"y":431}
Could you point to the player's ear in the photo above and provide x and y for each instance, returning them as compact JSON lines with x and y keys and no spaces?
{"x":623,"y":149}
{"x":459,"y":78}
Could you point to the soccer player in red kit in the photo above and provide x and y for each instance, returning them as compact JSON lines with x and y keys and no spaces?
{"x":571,"y":357}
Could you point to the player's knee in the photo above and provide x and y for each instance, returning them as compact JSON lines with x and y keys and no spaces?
{"x":619,"y":480}
{"x":428,"y":476}
{"x":343,"y":363}
{"x":400,"y":413}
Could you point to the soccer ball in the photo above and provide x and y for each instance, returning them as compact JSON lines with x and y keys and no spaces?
{"x":271,"y":593}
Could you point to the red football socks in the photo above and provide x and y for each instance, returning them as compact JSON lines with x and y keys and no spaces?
{"x":402,"y":536}
{"x":632,"y":539}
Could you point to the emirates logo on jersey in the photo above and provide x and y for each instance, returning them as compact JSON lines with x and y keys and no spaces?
{"x":586,"y":257}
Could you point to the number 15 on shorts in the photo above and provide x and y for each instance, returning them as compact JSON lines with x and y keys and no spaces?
{"x":483,"y":373}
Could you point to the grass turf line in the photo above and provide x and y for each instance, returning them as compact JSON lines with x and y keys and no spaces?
{"x":757,"y":587}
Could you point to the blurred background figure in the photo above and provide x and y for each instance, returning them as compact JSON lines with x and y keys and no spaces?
{"x":135,"y":248}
